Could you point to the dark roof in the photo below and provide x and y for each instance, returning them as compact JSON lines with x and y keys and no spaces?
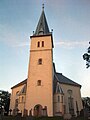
{"x":64,"y":80}
{"x":21,"y":83}
{"x":42,"y":27}
{"x":58,"y":77}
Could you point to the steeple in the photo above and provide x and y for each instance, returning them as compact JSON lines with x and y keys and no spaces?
{"x":42,"y":27}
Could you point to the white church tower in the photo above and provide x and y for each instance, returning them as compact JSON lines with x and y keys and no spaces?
{"x":39,"y":93}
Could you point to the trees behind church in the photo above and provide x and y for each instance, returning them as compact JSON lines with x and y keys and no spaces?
{"x":86,"y":57}
{"x":86,"y":106}
{"x":86,"y":102}
{"x":4,"y":102}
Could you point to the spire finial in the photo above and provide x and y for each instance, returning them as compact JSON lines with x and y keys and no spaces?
{"x":42,"y":6}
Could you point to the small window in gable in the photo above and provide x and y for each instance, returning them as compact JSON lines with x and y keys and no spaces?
{"x":40,"y":61}
{"x":39,"y":83}
{"x":38,"y":44}
{"x":42,"y":43}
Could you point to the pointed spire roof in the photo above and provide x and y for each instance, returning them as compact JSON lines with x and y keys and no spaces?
{"x":42,"y":27}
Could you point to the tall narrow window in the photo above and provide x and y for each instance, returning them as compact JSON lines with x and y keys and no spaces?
{"x":71,"y":105}
{"x":62,"y":99}
{"x":19,"y":100}
{"x":16,"y":103}
{"x":58,"y":98}
{"x":42,"y":43}
{"x":70,"y":102}
{"x":22,"y":99}
{"x":39,"y":83}
{"x":38,"y":44}
{"x":40,"y":61}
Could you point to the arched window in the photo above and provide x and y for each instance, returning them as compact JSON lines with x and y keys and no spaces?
{"x":69,"y":92}
{"x":39,"y":83}
{"x":40,"y":61}
{"x":38,"y":44}
{"x":42,"y":43}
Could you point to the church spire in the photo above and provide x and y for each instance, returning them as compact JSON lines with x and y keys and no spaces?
{"x":42,"y":27}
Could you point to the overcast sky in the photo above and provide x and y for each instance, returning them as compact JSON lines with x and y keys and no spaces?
{"x":70,"y":21}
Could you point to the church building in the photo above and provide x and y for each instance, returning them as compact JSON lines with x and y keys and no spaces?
{"x":45,"y":92}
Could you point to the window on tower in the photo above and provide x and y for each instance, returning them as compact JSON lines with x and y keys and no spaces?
{"x":39,"y":83}
{"x":39,"y":61}
{"x":42,"y":43}
{"x":38,"y":44}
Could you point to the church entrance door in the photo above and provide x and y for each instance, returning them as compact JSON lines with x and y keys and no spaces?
{"x":38,"y":110}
